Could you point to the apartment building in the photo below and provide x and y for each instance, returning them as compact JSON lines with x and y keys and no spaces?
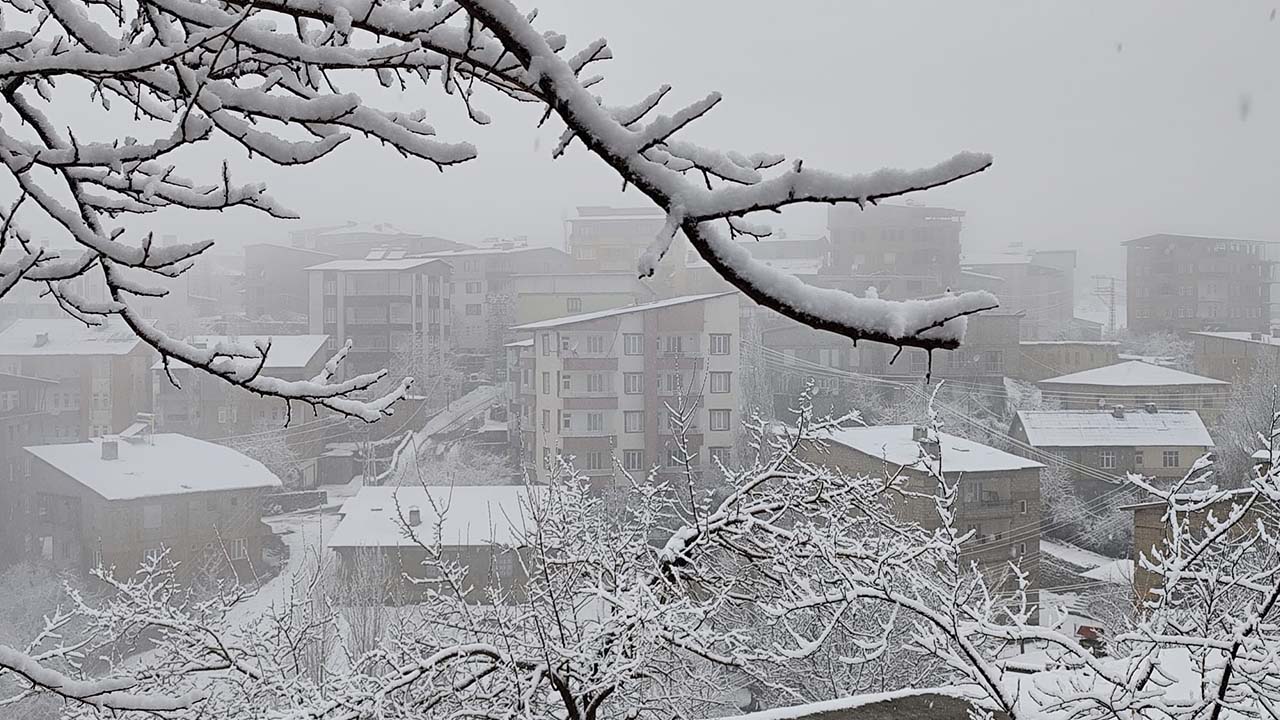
{"x":1185,"y":283}
{"x":608,"y":239}
{"x":1100,"y":446}
{"x":1042,"y":359}
{"x":276,"y":282}
{"x":397,"y":311}
{"x":1136,"y":384}
{"x":904,"y":251}
{"x":543,"y":296}
{"x":352,"y":240}
{"x":1041,"y":285}
{"x":1235,"y":356}
{"x":102,"y":373}
{"x":999,"y":493}
{"x":607,"y":388}
{"x":121,"y":500}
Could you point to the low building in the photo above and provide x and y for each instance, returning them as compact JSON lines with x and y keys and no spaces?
{"x":475,"y":526}
{"x":1097,"y":444}
{"x":1042,"y":359}
{"x":103,"y":372}
{"x":999,"y":493}
{"x":276,"y":284}
{"x":119,"y":501}
{"x":1136,"y":384}
{"x":1235,"y":356}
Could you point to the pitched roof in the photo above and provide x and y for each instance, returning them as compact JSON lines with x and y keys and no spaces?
{"x":1133,"y":373}
{"x":363,"y":265}
{"x":600,"y":314}
{"x":1097,"y":428}
{"x":67,"y":336}
{"x":163,"y":464}
{"x":895,"y":445}
{"x":288,"y":352}
{"x":1195,"y":238}
{"x":478,"y":515}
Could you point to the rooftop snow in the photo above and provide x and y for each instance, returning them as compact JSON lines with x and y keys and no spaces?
{"x":474,"y":515}
{"x":520,"y":343}
{"x":1097,"y":428}
{"x":362,"y":265}
{"x":288,"y":352}
{"x":67,"y":336}
{"x":470,"y":252}
{"x":894,"y":445}
{"x":1261,"y":339}
{"x":996,"y":259}
{"x":1099,"y":343}
{"x":600,"y":314}
{"x":1133,"y":373}
{"x":169,"y":464}
{"x":1164,"y":237}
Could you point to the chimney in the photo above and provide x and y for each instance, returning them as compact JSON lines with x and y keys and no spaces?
{"x":110,"y":449}
{"x":415,"y":516}
{"x":920,"y":435}
{"x":1150,"y":407}
{"x":42,"y":339}
{"x":1117,"y":411}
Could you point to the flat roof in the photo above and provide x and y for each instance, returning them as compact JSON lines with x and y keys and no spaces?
{"x":1133,"y":373}
{"x":473,"y":515}
{"x":615,"y":312}
{"x":363,"y":265}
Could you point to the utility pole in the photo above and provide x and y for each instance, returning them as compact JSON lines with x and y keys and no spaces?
{"x":1105,"y":289}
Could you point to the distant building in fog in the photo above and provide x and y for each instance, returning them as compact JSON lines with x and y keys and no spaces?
{"x":1041,"y":285}
{"x":356,"y":240}
{"x":103,"y":373}
{"x":1136,"y":385}
{"x":904,"y":251}
{"x":1041,"y":359}
{"x":597,"y":386}
{"x":543,"y":296}
{"x":1235,"y":356}
{"x":120,"y":500}
{"x":390,"y":307}
{"x":276,"y":282}
{"x":1183,"y":283}
{"x":608,"y":239}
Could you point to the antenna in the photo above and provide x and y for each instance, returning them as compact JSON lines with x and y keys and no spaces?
{"x":1104,"y":288}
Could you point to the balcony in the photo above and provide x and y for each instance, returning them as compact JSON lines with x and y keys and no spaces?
{"x":986,"y":508}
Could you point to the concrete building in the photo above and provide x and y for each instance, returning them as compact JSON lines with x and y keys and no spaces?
{"x":120,"y":500}
{"x":543,"y":296}
{"x":608,"y":239}
{"x":999,"y":493}
{"x":353,"y":240}
{"x":1157,"y":443}
{"x":397,"y":311}
{"x":276,"y":282}
{"x":1184,"y":283}
{"x":1041,"y":285}
{"x":103,"y":373}
{"x":478,"y":530}
{"x":1235,"y":356}
{"x":1042,"y":359}
{"x":1136,"y":384}
{"x":598,"y":385}
{"x":904,"y":251}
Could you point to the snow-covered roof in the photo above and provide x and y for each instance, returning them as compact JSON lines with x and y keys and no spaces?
{"x":67,"y":336}
{"x":1133,"y":373}
{"x":384,"y":264}
{"x":600,"y":314}
{"x":527,"y":342}
{"x":161,"y":464}
{"x":1259,"y":338}
{"x":472,"y":252}
{"x":1166,"y":237}
{"x":473,"y":515}
{"x":288,"y":352}
{"x":995,"y":259}
{"x":895,"y":445}
{"x":1097,"y":428}
{"x":1099,"y":343}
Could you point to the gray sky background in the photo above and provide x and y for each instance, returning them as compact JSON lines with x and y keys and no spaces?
{"x":1108,"y":120}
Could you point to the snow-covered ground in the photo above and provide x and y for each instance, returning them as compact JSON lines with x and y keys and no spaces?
{"x":1116,"y":572}
{"x":1074,"y":555}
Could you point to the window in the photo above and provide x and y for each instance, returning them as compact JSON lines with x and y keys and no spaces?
{"x":1137,"y":458}
{"x":595,"y":382}
{"x":1107,"y":459}
{"x":719,"y":420}
{"x":331,"y":315}
{"x":633,"y":383}
{"x":720,"y":382}
{"x":239,"y":549}
{"x":595,"y":344}
{"x":546,"y":456}
{"x":573,"y":304}
{"x":675,"y":344}
{"x":673,"y":457}
{"x":153,"y":554}
{"x":472,"y":288}
{"x":546,"y":383}
{"x":566,"y":382}
{"x":151,"y":516}
{"x":564,"y":344}
{"x":473,"y":309}
{"x":633,"y":421}
{"x":632,"y":459}
{"x":595,"y":422}
{"x":719,"y":456}
{"x":546,"y":420}
{"x":595,"y":459}
{"x":720,"y":344}
{"x":633,"y":344}
{"x":672,"y":381}
{"x":546,"y":344}
{"x":1022,"y":548}
{"x":566,"y":421}
{"x":1022,"y":507}
{"x":1170,"y":459}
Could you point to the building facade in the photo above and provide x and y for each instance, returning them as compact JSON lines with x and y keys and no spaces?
{"x":1041,"y":285}
{"x":608,"y":239}
{"x":607,"y":389}
{"x":1136,"y":384}
{"x":904,"y":251}
{"x":276,"y":282}
{"x":1185,"y":283}
{"x":1042,"y":359}
{"x":351,"y":241}
{"x":1235,"y":356}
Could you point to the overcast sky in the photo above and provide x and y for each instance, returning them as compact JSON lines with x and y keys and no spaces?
{"x":1107,"y":120}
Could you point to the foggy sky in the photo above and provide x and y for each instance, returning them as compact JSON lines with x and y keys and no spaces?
{"x":1107,"y":120}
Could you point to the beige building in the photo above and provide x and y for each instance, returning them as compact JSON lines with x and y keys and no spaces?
{"x":1136,"y":384}
{"x":604,"y":387}
{"x":1234,"y":356}
{"x":1042,"y":359}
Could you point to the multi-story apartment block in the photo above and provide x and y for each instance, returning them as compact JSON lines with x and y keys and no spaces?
{"x":102,"y":373}
{"x":120,"y":500}
{"x":608,"y":388}
{"x":276,"y":282}
{"x":904,"y":251}
{"x":1183,"y":283}
{"x":396,"y":311}
{"x":1042,"y":359}
{"x":608,"y":239}
{"x":543,"y":296}
{"x":356,"y":240}
{"x":1135,"y":384}
{"x":1235,"y":356}
{"x":1041,"y":285}
{"x":484,"y":301}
